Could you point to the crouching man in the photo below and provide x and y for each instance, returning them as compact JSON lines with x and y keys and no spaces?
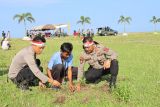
{"x":101,"y":60}
{"x":60,"y":66}
{"x":24,"y":69}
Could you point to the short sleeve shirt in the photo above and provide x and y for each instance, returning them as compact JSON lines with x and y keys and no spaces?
{"x":56,"y":59}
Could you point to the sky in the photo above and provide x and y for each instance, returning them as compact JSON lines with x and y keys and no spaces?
{"x":101,"y":12}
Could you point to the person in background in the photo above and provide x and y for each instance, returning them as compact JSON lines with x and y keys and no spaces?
{"x":8,"y":35}
{"x":5,"y":44}
{"x":75,"y":33}
{"x":79,"y":33}
{"x":3,"y":35}
{"x":88,"y":33}
{"x":92,"y":33}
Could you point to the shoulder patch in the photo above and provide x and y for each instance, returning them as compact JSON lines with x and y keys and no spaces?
{"x":106,"y":49}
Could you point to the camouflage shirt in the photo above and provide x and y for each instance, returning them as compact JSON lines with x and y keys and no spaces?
{"x":95,"y":59}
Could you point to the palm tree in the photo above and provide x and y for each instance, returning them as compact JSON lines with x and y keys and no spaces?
{"x":23,"y":18}
{"x":84,"y":20}
{"x":124,"y":20}
{"x":155,"y":20}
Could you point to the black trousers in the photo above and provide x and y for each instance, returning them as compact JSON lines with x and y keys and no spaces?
{"x":58,"y":72}
{"x":26,"y":76}
{"x":93,"y":74}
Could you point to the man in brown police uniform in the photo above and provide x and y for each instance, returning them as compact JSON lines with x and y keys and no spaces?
{"x":101,"y":60}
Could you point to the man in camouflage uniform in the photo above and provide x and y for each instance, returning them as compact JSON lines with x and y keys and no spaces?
{"x":101,"y":60}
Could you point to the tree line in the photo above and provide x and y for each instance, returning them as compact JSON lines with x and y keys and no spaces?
{"x":24,"y":17}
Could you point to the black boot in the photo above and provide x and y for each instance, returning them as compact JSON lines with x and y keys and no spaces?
{"x":23,"y":85}
{"x":112,"y":83}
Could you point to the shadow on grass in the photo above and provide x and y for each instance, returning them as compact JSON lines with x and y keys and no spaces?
{"x":103,"y":78}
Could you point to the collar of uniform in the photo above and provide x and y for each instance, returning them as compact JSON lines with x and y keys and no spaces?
{"x":31,"y":50}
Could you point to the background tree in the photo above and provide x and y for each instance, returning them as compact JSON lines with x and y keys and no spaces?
{"x":23,"y":18}
{"x":124,"y":20}
{"x":155,"y":20}
{"x":84,"y":20}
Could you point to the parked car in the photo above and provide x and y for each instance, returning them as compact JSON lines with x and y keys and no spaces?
{"x":105,"y":31}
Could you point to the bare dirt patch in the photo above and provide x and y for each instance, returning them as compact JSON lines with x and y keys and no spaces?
{"x":60,"y":99}
{"x":85,"y":100}
{"x":105,"y":88}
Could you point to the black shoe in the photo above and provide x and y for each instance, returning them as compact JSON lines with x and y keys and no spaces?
{"x":112,"y":83}
{"x":23,"y":87}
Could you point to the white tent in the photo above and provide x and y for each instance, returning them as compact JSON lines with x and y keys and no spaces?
{"x":61,"y":26}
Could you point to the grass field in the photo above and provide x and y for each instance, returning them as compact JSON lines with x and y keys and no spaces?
{"x":138,"y":79}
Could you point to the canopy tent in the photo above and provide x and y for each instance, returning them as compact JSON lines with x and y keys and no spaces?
{"x":57,"y":29}
{"x":61,"y":26}
{"x":49,"y":27}
{"x":44,"y":27}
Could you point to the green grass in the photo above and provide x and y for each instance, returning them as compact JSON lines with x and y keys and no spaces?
{"x":138,"y":79}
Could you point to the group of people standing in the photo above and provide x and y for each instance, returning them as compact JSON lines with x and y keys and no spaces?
{"x":83,"y":33}
{"x":25,"y":69}
{"x":5,"y":40}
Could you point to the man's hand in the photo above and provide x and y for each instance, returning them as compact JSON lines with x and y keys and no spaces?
{"x":107,"y":64}
{"x":41,"y":85}
{"x":56,"y":83}
{"x":71,"y":87}
{"x":81,"y":59}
